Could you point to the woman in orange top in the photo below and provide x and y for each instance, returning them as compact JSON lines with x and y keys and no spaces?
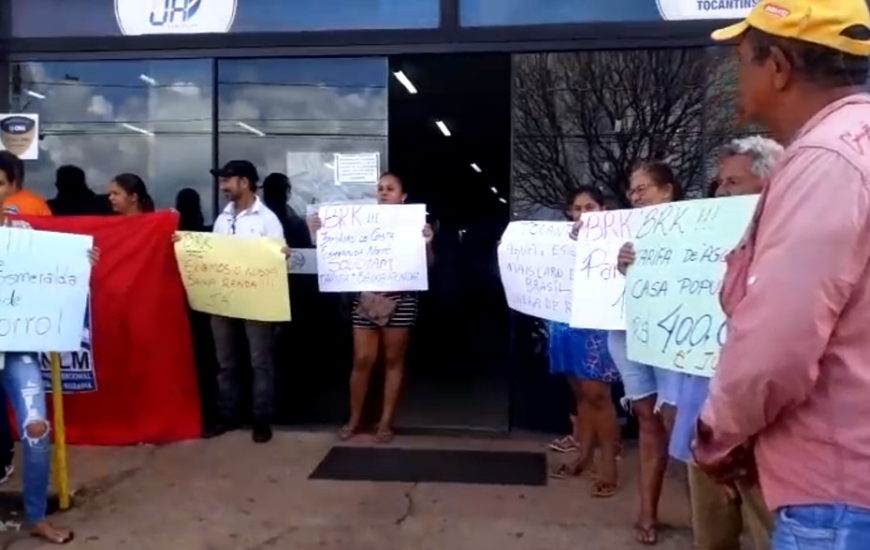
{"x":21,"y":201}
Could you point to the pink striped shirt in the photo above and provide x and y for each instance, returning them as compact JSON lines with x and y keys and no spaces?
{"x":794,"y":374}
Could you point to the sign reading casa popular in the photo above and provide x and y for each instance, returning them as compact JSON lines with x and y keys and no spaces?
{"x":138,"y":17}
{"x":705,"y":9}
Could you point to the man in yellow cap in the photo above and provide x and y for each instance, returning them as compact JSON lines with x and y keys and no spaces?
{"x":792,"y":387}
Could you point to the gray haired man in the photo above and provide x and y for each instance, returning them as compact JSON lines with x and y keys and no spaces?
{"x":718,"y":517}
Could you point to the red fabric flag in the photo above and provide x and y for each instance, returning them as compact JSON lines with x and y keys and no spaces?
{"x":146,"y":385}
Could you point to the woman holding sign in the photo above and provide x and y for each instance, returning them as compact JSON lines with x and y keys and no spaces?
{"x":581,"y":356}
{"x":22,"y":381}
{"x":382,"y":321}
{"x":651,"y":391}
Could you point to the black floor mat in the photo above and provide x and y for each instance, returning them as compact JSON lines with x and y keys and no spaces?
{"x":433,"y":466}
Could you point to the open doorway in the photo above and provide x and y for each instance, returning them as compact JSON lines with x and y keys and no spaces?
{"x":458,"y":371}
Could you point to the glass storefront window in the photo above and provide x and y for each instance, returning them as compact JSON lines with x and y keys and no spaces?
{"x":47,"y":18}
{"x":484,"y":13}
{"x":294,"y":115}
{"x":151,"y":118}
{"x":587,"y":117}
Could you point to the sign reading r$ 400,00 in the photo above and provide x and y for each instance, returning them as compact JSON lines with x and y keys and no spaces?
{"x":674,"y":318}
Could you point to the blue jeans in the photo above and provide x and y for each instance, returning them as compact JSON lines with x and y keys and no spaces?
{"x":22,"y":382}
{"x":821,"y":527}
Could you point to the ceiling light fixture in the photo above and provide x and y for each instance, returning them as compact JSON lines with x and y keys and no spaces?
{"x":251,"y":129}
{"x":443,"y":127}
{"x":502,"y":200}
{"x":37,"y":95}
{"x":494,"y":190}
{"x":406,"y":82}
{"x":137,"y":129}
{"x":147,"y":80}
{"x":475,"y":167}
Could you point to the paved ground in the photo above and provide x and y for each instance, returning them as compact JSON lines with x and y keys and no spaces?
{"x":228,"y":494}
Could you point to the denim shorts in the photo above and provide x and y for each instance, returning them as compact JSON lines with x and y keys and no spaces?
{"x":821,"y":527}
{"x":640,"y":381}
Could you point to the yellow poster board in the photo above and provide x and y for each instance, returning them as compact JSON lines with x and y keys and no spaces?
{"x":238,"y":278}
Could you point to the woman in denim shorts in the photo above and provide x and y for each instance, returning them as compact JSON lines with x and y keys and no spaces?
{"x":650,"y":391}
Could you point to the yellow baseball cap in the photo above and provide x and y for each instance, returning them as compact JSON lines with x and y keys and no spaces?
{"x":819,"y":22}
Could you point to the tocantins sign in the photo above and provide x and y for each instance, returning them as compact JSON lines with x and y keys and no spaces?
{"x":676,"y":10}
{"x":138,"y":17}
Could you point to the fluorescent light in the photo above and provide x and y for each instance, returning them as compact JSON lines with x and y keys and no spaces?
{"x":251,"y":129}
{"x":494,"y":190}
{"x":475,"y":167}
{"x":502,"y":200}
{"x":31,"y":93}
{"x":147,"y":80}
{"x":443,"y":127}
{"x":406,"y":82}
{"x":329,"y":165}
{"x":137,"y":129}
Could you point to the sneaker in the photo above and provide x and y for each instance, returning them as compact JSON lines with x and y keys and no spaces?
{"x":262,"y":431}
{"x":7,"y":473}
{"x":564,"y":445}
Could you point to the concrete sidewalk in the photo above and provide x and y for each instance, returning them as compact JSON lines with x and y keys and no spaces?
{"x":229,"y":494}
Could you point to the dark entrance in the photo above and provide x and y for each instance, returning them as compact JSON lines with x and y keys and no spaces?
{"x":458,"y":373}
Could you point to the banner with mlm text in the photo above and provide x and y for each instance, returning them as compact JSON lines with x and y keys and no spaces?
{"x":140,"y":335}
{"x":674,"y":320}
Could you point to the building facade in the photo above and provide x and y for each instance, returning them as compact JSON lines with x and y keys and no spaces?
{"x":540,"y":96}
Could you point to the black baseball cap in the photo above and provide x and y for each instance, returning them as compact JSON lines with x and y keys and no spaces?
{"x":238,"y":168}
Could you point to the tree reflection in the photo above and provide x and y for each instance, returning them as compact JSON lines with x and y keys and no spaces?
{"x":587,"y":117}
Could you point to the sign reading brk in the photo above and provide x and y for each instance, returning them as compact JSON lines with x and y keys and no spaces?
{"x":375,"y":248}
{"x":44,"y":282}
{"x":536,"y":262}
{"x":234,"y":277}
{"x":599,"y":288}
{"x":672,"y":290}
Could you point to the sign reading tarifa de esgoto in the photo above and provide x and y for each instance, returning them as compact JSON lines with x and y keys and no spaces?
{"x":676,"y":10}
{"x":138,"y":17}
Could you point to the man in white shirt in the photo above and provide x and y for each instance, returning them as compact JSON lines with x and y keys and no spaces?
{"x":245,"y":217}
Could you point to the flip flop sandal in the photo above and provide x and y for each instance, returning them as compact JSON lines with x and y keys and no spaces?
{"x":604,"y":489}
{"x":564,"y":471}
{"x":384,"y":436}
{"x":57,"y":539}
{"x":347,"y":433}
{"x":646,"y":534}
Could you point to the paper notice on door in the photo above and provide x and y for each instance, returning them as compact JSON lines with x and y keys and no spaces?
{"x":357,"y":168}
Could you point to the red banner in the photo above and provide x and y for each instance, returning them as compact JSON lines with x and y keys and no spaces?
{"x":146,"y":386}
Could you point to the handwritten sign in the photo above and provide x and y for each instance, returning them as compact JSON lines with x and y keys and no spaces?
{"x":599,"y":288}
{"x":536,"y":262}
{"x":239,"y":278}
{"x":372,"y":248}
{"x":672,"y":290}
{"x":44,"y":280}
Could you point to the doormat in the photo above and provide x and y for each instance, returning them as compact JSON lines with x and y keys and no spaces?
{"x":433,"y":466}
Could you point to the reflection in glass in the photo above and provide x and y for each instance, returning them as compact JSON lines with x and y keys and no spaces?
{"x":294,"y":115}
{"x":587,"y":117}
{"x":482,"y":13}
{"x":151,"y":118}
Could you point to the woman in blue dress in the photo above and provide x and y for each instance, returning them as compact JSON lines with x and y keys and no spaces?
{"x":581,"y":356}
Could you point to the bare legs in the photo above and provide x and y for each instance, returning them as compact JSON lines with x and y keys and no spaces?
{"x":596,"y":416}
{"x":366,"y":344}
{"x":653,"y":441}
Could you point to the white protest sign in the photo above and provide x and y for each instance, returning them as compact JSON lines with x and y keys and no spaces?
{"x":536,"y":262}
{"x":599,"y":289}
{"x":44,"y":279}
{"x":377,"y":248}
{"x":674,"y":318}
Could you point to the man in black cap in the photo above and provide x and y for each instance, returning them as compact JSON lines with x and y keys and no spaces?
{"x":246,"y":217}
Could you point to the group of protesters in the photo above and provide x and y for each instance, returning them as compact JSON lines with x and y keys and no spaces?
{"x":774,"y":442}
